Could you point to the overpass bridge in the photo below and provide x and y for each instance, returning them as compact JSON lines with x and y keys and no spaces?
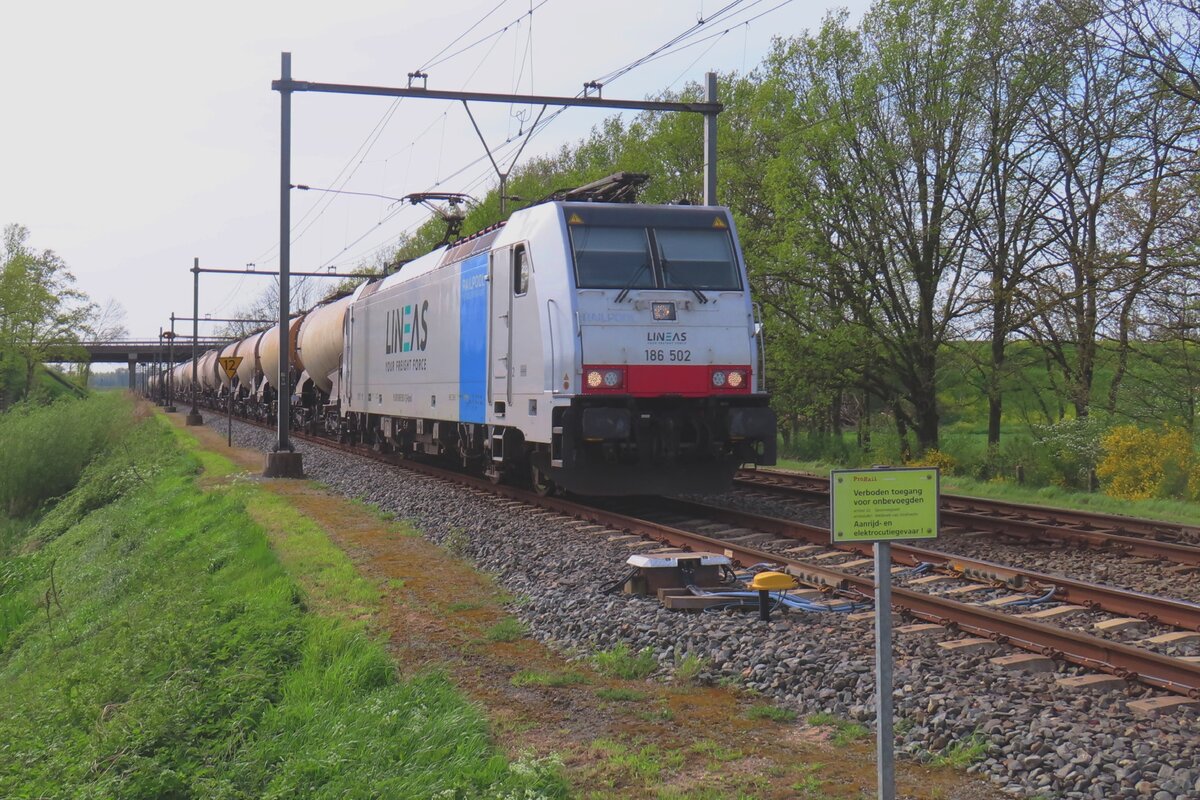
{"x":133,"y":351}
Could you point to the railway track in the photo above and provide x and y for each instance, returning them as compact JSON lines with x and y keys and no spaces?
{"x":1133,"y":664}
{"x":1129,"y":535}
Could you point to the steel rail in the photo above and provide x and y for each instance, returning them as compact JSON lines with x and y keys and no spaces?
{"x":1129,"y":663}
{"x":1151,"y":608}
{"x":1016,"y":527}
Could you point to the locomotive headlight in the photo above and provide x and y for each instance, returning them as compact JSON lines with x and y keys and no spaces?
{"x":662,"y":311}
{"x":612,"y":378}
{"x":736,"y":379}
{"x":594,"y":379}
{"x":718,"y":378}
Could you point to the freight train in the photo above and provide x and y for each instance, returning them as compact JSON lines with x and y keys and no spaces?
{"x":593,"y":347}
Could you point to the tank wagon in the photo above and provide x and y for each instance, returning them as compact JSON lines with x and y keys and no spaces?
{"x":601,"y":348}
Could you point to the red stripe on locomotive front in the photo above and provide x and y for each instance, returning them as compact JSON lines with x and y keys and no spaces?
{"x":679,"y":380}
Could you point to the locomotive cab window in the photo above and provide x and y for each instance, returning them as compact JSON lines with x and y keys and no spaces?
{"x":699,"y":259}
{"x":612,"y":258}
{"x":654,"y":258}
{"x":520,"y":270}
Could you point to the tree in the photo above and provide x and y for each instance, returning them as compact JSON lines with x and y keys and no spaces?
{"x":876,"y":172}
{"x":41,"y":314}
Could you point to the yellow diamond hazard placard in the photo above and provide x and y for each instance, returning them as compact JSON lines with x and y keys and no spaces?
{"x":230,"y":365}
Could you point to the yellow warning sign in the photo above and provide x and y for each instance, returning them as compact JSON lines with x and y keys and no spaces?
{"x":719,"y":223}
{"x":574,"y":219}
{"x":230,"y":365}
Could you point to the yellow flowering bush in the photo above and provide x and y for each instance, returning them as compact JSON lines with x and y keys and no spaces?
{"x":1138,"y":464}
{"x":936,"y":458}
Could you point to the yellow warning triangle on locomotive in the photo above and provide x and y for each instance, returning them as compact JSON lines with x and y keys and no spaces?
{"x":574,"y":219}
{"x":719,"y":223}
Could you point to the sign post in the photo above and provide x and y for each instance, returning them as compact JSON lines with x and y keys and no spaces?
{"x":230,"y":365}
{"x":880,"y":506}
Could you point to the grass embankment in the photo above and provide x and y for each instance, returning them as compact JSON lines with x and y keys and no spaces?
{"x":1054,"y":496}
{"x":154,"y":644}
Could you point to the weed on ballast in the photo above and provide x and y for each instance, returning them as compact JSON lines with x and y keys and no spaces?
{"x":962,"y":753}
{"x":621,"y":662}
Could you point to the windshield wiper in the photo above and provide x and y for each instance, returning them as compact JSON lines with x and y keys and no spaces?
{"x":699,"y":294}
{"x":625,"y":290}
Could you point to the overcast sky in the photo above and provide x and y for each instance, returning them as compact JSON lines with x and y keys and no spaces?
{"x":138,"y":135}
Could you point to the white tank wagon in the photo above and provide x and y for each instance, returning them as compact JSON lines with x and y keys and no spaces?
{"x":248,"y":371}
{"x":207,"y":371}
{"x":319,"y":345}
{"x":268,"y":355}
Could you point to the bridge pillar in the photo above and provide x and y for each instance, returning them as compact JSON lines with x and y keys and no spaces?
{"x":133,"y":372}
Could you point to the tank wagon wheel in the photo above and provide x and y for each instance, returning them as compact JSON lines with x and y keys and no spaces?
{"x":541,"y":483}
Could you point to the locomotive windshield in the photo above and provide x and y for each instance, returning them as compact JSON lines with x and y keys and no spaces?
{"x":654,"y":258}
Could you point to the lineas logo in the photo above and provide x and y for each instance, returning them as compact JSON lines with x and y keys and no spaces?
{"x":407,"y":328}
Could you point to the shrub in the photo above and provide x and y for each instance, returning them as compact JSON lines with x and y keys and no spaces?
{"x":1139,"y":464}
{"x":936,"y":458}
{"x":1068,"y":450}
{"x":46,"y":448}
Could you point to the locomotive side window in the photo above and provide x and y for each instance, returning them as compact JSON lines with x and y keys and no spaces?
{"x":612,"y":258}
{"x":520,"y":270}
{"x":701,"y":259}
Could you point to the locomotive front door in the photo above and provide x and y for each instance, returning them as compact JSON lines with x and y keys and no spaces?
{"x":500,"y":338}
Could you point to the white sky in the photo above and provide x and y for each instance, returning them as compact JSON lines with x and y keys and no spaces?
{"x":138,"y":134}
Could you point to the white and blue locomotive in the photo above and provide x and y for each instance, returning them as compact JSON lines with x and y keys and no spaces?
{"x":603,"y":348}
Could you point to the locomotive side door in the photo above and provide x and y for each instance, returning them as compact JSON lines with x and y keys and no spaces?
{"x":500,"y":340}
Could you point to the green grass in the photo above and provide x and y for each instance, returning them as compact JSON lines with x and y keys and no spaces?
{"x":528,"y":677}
{"x":619,"y":695}
{"x":187,"y":657}
{"x":962,"y":753}
{"x":644,"y":762}
{"x":715,"y":752}
{"x":1054,"y":496}
{"x":773,"y":713}
{"x":508,"y":629}
{"x":621,"y":662}
{"x":844,"y":732}
{"x":690,"y":667}
{"x":46,"y":448}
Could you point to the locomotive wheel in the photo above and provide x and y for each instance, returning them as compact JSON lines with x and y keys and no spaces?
{"x":541,"y":483}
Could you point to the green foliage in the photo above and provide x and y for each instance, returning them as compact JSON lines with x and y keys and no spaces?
{"x":176,"y":658}
{"x":528,"y":677}
{"x":844,"y":732}
{"x":773,"y":713}
{"x":46,"y":449}
{"x":41,"y":313}
{"x":620,"y":695}
{"x":690,"y":667}
{"x":962,"y":753}
{"x":621,"y":662}
{"x":1067,"y":451}
{"x":508,"y":629}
